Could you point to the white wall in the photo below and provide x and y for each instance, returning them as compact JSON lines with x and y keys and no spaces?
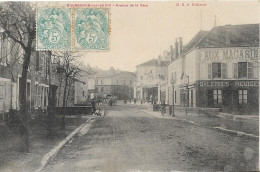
{"x":175,"y":71}
{"x":236,"y":54}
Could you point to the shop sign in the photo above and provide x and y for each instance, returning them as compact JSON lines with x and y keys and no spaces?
{"x":229,"y":54}
{"x":229,"y":83}
{"x":246,"y":83}
{"x":214,"y":83}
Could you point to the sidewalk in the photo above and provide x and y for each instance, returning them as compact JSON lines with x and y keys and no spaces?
{"x":241,"y":126}
{"x":11,"y":159}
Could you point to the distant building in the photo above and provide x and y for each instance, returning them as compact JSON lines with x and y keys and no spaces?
{"x":81,"y":93}
{"x":116,"y":83}
{"x":151,"y":79}
{"x":218,"y":69}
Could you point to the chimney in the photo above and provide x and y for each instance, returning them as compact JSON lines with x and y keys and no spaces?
{"x":176,"y":48}
{"x":227,"y":34}
{"x":180,"y":45}
{"x":171,"y":50}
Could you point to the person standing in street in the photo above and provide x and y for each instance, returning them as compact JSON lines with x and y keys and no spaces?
{"x":93,"y":105}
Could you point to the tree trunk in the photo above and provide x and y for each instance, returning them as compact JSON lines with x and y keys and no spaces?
{"x":64,"y":102}
{"x":60,"y":79}
{"x":24,"y":125}
{"x":50,"y":105}
{"x":69,"y":87}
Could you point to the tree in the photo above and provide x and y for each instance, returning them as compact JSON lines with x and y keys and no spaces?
{"x":17,"y":20}
{"x":68,"y":68}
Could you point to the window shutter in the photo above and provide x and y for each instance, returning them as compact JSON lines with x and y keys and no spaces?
{"x":224,"y":70}
{"x":235,"y":70}
{"x":250,"y":70}
{"x":209,"y":70}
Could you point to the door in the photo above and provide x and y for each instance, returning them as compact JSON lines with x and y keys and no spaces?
{"x":191,"y":97}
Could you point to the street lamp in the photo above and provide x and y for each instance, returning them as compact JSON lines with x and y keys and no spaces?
{"x":172,"y":83}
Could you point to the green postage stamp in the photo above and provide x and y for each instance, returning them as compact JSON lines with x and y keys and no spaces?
{"x":67,"y":29}
{"x":53,"y":29}
{"x":91,"y":29}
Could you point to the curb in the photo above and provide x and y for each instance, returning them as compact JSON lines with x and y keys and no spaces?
{"x":50,"y":155}
{"x":238,"y":133}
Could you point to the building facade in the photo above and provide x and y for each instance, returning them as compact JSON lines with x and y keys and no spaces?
{"x":37,"y":86}
{"x":219,"y":69}
{"x":151,"y":79}
{"x":116,"y":83}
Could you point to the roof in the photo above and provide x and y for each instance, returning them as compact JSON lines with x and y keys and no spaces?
{"x":194,"y":41}
{"x":107,"y":73}
{"x":232,"y":36}
{"x":126,"y":72}
{"x":154,"y":62}
{"x":111,"y":73}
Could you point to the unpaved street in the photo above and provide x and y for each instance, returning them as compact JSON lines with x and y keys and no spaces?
{"x":127,"y":139}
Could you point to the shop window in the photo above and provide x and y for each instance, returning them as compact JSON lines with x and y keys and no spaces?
{"x":242,"y":96}
{"x":244,"y":70}
{"x":217,"y":97}
{"x":45,"y":97}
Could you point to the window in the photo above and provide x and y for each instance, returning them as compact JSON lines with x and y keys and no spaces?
{"x":217,"y":97}
{"x":174,"y":76}
{"x":102,"y":81}
{"x":242,"y":95}
{"x":35,"y":95}
{"x":39,"y":96}
{"x":131,"y":82}
{"x":216,"y":70}
{"x":82,"y":93}
{"x":244,"y":70}
{"x":102,"y":89}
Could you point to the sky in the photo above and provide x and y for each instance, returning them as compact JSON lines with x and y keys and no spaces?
{"x":139,"y":34}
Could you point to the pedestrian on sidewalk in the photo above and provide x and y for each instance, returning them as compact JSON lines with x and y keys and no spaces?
{"x":93,"y":105}
{"x":162,"y":107}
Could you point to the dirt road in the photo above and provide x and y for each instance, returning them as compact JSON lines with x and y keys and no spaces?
{"x":129,"y":140}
